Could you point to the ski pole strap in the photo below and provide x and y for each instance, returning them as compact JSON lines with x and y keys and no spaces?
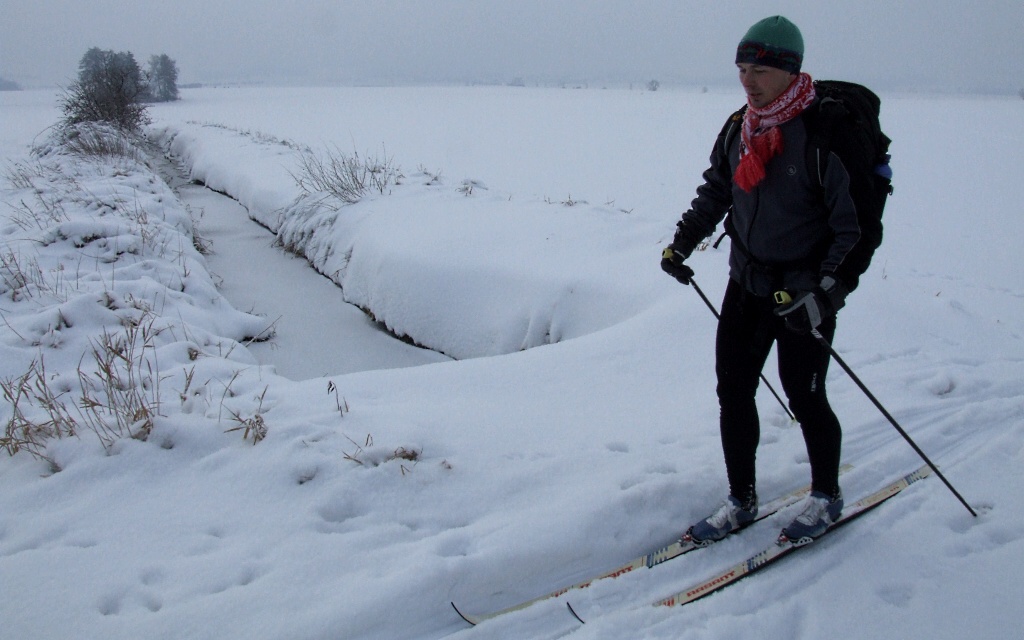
{"x":806,"y":301}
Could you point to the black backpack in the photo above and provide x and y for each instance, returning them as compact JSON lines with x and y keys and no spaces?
{"x":845,"y":104}
{"x":860,"y":106}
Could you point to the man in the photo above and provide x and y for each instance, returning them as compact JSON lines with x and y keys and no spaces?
{"x":790,"y":231}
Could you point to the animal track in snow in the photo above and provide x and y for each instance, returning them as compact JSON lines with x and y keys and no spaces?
{"x":897,"y":595}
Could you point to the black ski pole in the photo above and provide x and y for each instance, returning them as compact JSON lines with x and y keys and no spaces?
{"x":765,"y":380}
{"x":842,"y":363}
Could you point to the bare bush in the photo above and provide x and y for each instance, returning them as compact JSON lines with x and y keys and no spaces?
{"x":346,"y":177}
{"x":109,"y":88}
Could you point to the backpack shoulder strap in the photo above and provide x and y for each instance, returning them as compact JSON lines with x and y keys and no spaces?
{"x":820,"y":121}
{"x":731,"y":129}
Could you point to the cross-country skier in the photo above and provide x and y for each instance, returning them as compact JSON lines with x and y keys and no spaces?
{"x":790,"y":230}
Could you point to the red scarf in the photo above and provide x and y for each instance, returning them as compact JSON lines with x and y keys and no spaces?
{"x":761,"y":139}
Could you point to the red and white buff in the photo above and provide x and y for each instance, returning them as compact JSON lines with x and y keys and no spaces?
{"x":761,"y":139}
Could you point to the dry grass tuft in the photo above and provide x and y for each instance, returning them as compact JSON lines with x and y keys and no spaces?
{"x":348,"y":178}
{"x":367,"y":455}
{"x":254,"y":427}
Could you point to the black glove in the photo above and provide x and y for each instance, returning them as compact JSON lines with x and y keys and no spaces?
{"x":806,"y":310}
{"x":672,"y":264}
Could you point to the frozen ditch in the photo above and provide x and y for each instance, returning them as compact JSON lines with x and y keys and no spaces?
{"x":324,"y":338}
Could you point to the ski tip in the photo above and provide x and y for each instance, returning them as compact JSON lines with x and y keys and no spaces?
{"x":462,"y":615}
{"x":574,"y":614}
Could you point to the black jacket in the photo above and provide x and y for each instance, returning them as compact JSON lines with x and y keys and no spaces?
{"x":795,"y":226}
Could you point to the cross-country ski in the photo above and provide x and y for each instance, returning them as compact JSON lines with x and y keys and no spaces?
{"x":648,"y":560}
{"x":783,"y":547}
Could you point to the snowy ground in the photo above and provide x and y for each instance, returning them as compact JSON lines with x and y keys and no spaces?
{"x":576,"y":426}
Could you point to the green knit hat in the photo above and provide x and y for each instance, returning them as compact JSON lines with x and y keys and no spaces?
{"x":773,"y":42}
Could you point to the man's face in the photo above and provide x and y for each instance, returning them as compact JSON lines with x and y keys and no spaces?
{"x":763,"y":84}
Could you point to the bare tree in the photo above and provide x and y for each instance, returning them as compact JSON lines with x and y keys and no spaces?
{"x":109,"y":88}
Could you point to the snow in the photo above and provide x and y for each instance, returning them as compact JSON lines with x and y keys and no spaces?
{"x":564,"y":419}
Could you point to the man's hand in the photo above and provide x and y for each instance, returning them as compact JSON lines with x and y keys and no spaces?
{"x":672,"y":264}
{"x":806,"y":310}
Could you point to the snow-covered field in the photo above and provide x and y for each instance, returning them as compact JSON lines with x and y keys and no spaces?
{"x":575,"y":426}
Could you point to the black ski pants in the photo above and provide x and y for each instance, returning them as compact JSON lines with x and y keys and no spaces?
{"x":746,"y":332}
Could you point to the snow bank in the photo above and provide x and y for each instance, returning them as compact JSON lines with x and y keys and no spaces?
{"x":455,"y":268}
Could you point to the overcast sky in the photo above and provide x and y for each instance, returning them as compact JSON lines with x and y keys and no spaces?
{"x":948,"y":45}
